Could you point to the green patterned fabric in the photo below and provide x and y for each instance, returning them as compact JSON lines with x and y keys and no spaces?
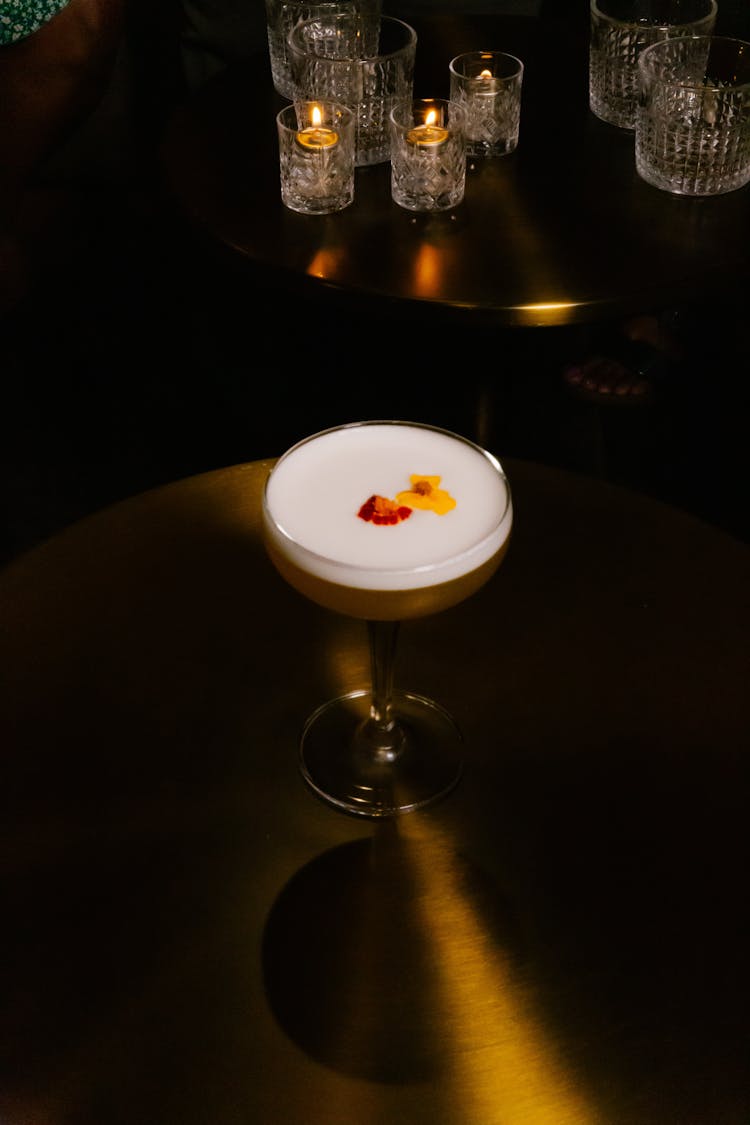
{"x":21,"y":18}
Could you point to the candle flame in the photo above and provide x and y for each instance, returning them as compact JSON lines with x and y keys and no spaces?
{"x":431,"y":117}
{"x":316,"y":116}
{"x":485,"y":73}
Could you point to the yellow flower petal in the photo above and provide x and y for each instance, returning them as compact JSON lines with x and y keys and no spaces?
{"x":426,"y":495}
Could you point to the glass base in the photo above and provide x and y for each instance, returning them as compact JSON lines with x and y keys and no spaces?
{"x":346,"y":769}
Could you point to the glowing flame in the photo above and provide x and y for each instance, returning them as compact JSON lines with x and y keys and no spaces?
{"x":431,"y":117}
{"x":485,"y":73}
{"x":316,"y":116}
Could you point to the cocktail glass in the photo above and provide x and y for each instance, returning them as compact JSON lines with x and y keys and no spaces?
{"x":385,"y":521}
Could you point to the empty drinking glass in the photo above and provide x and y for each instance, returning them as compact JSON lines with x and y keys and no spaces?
{"x":620,"y":29}
{"x":282,"y":15}
{"x":692,"y":133}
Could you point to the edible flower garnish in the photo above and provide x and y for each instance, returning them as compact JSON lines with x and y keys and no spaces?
{"x":380,"y":510}
{"x":426,"y":494}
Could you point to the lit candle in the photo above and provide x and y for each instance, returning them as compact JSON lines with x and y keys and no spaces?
{"x":486,"y":84}
{"x":429,"y":136}
{"x":316,"y":137}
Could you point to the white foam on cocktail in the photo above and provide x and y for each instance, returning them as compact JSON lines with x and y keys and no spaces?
{"x":316,"y":490}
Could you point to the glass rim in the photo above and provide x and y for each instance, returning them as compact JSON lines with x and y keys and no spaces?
{"x":408,"y":106}
{"x":330,"y":104}
{"x":406,"y":570}
{"x":338,"y":17}
{"x":481,"y":54}
{"x":648,"y":54}
{"x":662,"y":26}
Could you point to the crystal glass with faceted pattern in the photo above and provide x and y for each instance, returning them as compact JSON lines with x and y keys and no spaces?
{"x":619,"y":30}
{"x":282,"y":15}
{"x":692,"y":132}
{"x":428,"y":154}
{"x":488,"y":85}
{"x":364,"y":65}
{"x":316,"y":157}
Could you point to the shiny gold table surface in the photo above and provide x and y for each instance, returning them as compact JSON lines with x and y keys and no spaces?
{"x":190,"y":937}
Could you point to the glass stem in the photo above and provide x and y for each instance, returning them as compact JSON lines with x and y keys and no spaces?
{"x":380,"y":731}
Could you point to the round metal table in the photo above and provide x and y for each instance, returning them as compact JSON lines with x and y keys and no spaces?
{"x":190,"y":936}
{"x":563,"y":231}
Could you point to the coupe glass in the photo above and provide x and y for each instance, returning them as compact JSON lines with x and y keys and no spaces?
{"x":385,"y":521}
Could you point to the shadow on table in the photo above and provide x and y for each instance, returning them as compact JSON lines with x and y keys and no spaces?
{"x":355,"y":962}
